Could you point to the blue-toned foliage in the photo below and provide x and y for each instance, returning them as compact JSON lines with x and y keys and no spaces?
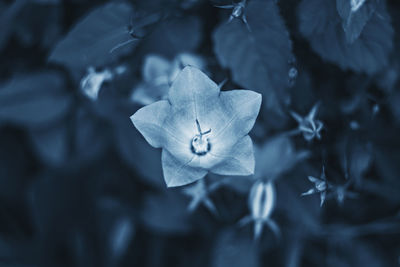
{"x":81,"y":185}
{"x":258,"y":55}
{"x":355,"y":15}
{"x":173,"y":36}
{"x":234,"y":249}
{"x":101,"y":37}
{"x":320,"y":23}
{"x":34,"y":100}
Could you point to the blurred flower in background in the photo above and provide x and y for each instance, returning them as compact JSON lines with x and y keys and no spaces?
{"x":158,"y":74}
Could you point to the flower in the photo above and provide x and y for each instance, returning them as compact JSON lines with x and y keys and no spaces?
{"x":92,"y":82}
{"x":320,"y":186}
{"x":308,"y":125}
{"x":261,"y":204}
{"x":158,"y":74}
{"x":200,"y":128}
{"x":237,"y":12}
{"x":198,"y":192}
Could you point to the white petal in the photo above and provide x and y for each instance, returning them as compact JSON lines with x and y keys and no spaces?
{"x":154,"y":67}
{"x":149,"y":121}
{"x":193,"y":90}
{"x":242,"y":108}
{"x":238,"y":161}
{"x":178,"y":173}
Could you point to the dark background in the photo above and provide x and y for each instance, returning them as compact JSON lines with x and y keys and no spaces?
{"x":80,"y":187}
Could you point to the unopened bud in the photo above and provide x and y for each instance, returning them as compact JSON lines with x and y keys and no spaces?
{"x":262,"y":200}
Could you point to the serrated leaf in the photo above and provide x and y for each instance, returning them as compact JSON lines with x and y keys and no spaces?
{"x":354,"y":18}
{"x":34,"y":100}
{"x":321,"y":25}
{"x":93,"y":40}
{"x":258,"y":58}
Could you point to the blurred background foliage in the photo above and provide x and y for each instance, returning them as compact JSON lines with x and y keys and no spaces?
{"x":79,"y":186}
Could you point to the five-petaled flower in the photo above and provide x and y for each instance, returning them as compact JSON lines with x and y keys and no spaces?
{"x":308,"y":125}
{"x":320,"y":186}
{"x":199,"y":194}
{"x":200,"y":128}
{"x":158,"y":74}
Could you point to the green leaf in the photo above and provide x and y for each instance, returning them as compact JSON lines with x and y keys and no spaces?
{"x":277,"y":156}
{"x":34,"y":100}
{"x":173,"y":36}
{"x":321,"y":25}
{"x":258,"y":59}
{"x":95,"y":40}
{"x":354,"y":19}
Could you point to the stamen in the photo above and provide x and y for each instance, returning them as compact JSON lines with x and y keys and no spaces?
{"x":199,"y":129}
{"x":200,"y":144}
{"x":206,"y":132}
{"x":198,"y":126}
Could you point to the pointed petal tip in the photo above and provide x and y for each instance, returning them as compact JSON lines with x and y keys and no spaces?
{"x":296,"y":116}
{"x":149,"y":119}
{"x":309,"y":192}
{"x":133,"y":118}
{"x":190,"y":70}
{"x":258,"y":100}
{"x":251,"y":168}
{"x":175,"y":183}
{"x":257,"y":97}
{"x":192,"y":81}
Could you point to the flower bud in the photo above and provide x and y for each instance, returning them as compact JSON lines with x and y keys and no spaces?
{"x":262,"y":200}
{"x":92,"y":82}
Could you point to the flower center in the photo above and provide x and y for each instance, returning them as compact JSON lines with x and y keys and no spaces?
{"x":200,"y":143}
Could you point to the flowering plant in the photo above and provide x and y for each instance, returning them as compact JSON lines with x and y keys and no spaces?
{"x":200,"y":128}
